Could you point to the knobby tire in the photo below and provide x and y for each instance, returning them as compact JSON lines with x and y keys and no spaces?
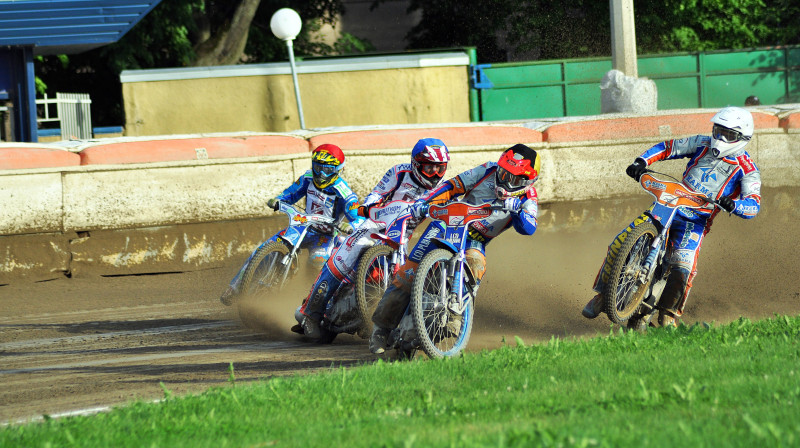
{"x":371,"y":282}
{"x":431,"y":321}
{"x":622,"y":296}
{"x":262,"y":274}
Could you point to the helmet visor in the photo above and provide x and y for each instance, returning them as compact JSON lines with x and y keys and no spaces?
{"x":511,"y":181}
{"x":433,"y":169}
{"x":323,"y":170}
{"x":727,"y":135}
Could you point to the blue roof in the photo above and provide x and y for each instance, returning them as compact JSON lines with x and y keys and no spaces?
{"x":68,"y":26}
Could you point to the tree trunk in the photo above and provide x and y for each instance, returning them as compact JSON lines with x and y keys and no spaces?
{"x":227,"y":45}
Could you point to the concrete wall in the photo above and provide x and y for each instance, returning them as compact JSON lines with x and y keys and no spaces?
{"x":423,"y":88}
{"x":156,"y":204}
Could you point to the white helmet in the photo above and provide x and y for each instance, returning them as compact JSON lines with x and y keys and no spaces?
{"x":733,"y":128}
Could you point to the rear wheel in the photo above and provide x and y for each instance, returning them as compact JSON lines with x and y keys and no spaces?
{"x":441,"y":332}
{"x":624,"y":293}
{"x":264,"y":273}
{"x":373,"y":276}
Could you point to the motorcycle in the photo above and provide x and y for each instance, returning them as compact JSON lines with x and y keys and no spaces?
{"x":275,"y":263}
{"x":439,"y":316}
{"x":350,"y":310}
{"x":639,"y":272}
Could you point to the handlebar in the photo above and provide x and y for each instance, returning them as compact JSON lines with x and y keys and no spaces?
{"x":707,"y":198}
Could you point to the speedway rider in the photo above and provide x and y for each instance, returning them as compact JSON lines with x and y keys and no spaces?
{"x":405,"y":181}
{"x":508,"y":182}
{"x":718,"y":167}
{"x":327,"y":194}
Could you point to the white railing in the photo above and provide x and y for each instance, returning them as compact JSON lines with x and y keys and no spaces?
{"x":73,"y":112}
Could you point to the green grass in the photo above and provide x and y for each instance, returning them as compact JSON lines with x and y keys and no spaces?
{"x":734,"y":385}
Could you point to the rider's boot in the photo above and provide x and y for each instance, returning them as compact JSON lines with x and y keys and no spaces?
{"x":379,"y":339}
{"x":594,"y":307}
{"x":314,"y":305}
{"x":674,"y":291}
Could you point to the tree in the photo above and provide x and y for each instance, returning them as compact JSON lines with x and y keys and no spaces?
{"x":181,"y":33}
{"x":515,"y":30}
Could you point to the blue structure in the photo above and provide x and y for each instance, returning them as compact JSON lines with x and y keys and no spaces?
{"x":46,"y":27}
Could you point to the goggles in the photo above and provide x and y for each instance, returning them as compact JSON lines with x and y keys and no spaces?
{"x":513,"y":181}
{"x":433,"y":169}
{"x":323,"y":170}
{"x":727,"y":135}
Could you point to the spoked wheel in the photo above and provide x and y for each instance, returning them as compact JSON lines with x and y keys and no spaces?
{"x":264,"y":273}
{"x":372,"y":278}
{"x":441,"y":332}
{"x":624,"y":292}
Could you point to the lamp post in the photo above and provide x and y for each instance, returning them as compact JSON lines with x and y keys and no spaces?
{"x":285,"y":25}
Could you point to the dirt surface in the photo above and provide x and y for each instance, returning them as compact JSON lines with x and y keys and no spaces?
{"x":82,"y":343}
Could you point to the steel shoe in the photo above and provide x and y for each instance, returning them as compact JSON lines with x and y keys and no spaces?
{"x":228,"y":297}
{"x":594,"y":307}
{"x":667,"y":319}
{"x":311,"y":328}
{"x":378,"y":340}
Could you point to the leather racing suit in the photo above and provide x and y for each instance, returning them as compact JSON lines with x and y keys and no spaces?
{"x":336,"y":200}
{"x":474,"y":186}
{"x":397,"y":184}
{"x":735,"y":176}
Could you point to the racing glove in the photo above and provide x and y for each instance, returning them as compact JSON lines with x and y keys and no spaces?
{"x":636,"y":169}
{"x":345,"y":227}
{"x":419,"y":209}
{"x":513,"y":205}
{"x":363,"y":210}
{"x":727,"y":204}
{"x":274,"y":204}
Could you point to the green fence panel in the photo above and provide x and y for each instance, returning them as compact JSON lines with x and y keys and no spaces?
{"x":667,"y":65}
{"x":731,"y":90}
{"x":517,"y":76}
{"x":678,"y":93}
{"x":704,"y":79}
{"x":583,"y":71}
{"x":744,"y":60}
{"x":583,"y":99}
{"x":512,"y":104}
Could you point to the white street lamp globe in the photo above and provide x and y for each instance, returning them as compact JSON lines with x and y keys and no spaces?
{"x":285,"y":24}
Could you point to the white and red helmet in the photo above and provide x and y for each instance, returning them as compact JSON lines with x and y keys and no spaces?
{"x":429,"y":162}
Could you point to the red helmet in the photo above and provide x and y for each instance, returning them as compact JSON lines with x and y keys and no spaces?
{"x":517,"y":170}
{"x":429,"y":159}
{"x":327,"y":162}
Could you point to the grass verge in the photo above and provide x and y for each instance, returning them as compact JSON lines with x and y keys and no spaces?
{"x":733,"y":385}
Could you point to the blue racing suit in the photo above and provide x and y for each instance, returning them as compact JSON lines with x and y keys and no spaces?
{"x":474,"y":186}
{"x":336,"y":200}
{"x":735,"y":176}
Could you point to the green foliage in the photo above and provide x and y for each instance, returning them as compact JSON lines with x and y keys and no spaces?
{"x":734,"y":385}
{"x":516,"y":30}
{"x":169,"y":36}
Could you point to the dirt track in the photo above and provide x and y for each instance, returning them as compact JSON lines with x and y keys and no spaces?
{"x":80,"y":343}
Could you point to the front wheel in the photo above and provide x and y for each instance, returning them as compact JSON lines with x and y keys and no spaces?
{"x":265,"y":272}
{"x":441,"y":331}
{"x":624,"y":291}
{"x":372,"y":278}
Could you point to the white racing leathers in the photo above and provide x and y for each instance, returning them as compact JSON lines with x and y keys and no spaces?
{"x":734,"y":176}
{"x":396,"y":184}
